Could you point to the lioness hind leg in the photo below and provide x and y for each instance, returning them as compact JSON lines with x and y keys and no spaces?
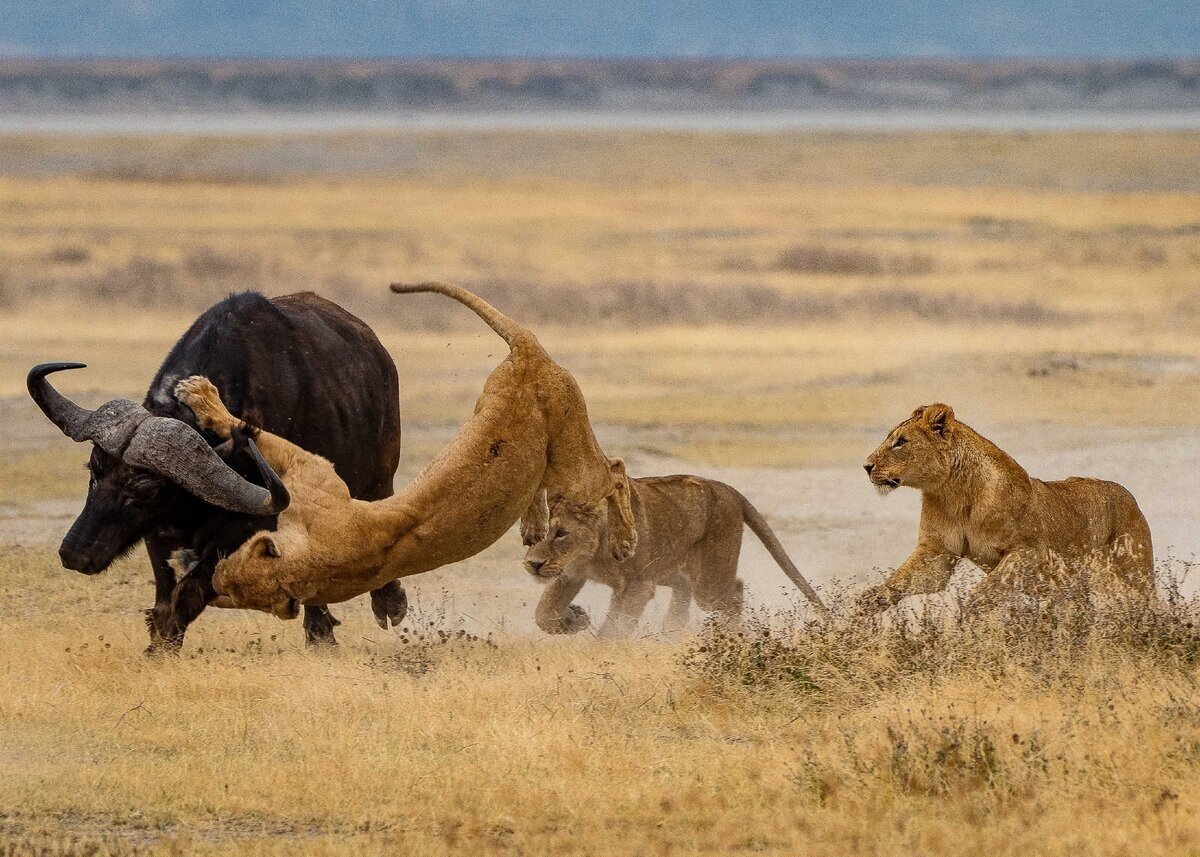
{"x":1133,"y":555}
{"x":536,"y":520}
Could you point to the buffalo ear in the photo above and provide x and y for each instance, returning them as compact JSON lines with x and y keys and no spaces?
{"x":939,"y":417}
{"x":266,"y":547}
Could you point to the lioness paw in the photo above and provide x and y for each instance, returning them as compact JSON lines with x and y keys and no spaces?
{"x":199,"y":394}
{"x":623,"y":549}
{"x":533,"y":532}
{"x":875,"y":600}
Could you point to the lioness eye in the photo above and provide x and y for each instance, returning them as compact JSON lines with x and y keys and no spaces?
{"x":559,"y":534}
{"x":899,"y":443}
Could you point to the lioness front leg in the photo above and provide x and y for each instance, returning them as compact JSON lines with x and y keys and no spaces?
{"x":555,"y":614}
{"x":536,"y":520}
{"x":1018,"y":573}
{"x":925,"y":572}
{"x":199,"y":394}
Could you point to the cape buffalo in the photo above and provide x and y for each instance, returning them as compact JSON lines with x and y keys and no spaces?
{"x":299,"y":366}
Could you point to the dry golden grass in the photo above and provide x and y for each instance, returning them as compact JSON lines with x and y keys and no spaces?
{"x":762,"y":300}
{"x":932,"y":740}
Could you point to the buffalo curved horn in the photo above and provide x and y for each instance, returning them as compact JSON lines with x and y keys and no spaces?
{"x":68,"y":416}
{"x":166,"y":446}
{"x":174,"y":449}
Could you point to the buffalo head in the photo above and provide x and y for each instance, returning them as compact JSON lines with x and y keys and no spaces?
{"x":138,"y":462}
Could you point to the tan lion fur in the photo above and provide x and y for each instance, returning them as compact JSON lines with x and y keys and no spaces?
{"x":529,"y":434}
{"x":689,"y":538}
{"x":978,"y":504}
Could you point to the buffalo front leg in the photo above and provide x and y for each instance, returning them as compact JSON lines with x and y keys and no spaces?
{"x":191,"y":595}
{"x":164,"y":586}
{"x":389,"y":602}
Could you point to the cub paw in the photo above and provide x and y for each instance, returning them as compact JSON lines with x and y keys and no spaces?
{"x":575,"y":619}
{"x":572,"y":620}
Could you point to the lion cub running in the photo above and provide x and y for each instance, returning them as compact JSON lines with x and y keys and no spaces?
{"x":689,"y":537}
{"x":977,"y":503}
{"x":529,"y":434}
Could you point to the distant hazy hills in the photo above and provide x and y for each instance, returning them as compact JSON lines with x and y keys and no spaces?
{"x":40,"y":85}
{"x":605,"y":29}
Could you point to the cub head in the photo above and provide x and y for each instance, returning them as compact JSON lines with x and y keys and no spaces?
{"x":915,"y":453}
{"x":573,"y":538}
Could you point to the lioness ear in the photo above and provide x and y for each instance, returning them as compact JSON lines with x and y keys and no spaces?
{"x":266,"y":547}
{"x":939,"y":417}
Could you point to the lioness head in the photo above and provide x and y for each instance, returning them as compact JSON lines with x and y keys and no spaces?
{"x":249,"y":576}
{"x":573,"y":538}
{"x":915,"y":453}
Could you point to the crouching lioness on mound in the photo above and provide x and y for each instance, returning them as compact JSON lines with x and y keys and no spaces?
{"x":689,"y":537}
{"x":978,"y":504}
{"x":529,"y":434}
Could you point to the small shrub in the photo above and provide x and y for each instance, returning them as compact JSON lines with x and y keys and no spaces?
{"x":848,"y":656}
{"x":70,"y":254}
{"x":817,"y":259}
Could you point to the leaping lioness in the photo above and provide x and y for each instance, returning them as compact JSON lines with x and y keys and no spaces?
{"x":977,"y":503}
{"x":529,"y":434}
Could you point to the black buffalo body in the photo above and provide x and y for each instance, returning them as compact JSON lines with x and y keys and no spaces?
{"x":300,"y":367}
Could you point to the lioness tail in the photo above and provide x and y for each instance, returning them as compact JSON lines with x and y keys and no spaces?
{"x":509,"y":330}
{"x":759,"y":526}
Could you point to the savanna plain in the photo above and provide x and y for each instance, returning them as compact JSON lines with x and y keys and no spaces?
{"x":757,"y":308}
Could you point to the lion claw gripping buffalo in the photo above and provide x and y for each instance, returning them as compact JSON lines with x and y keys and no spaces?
{"x":168,"y":447}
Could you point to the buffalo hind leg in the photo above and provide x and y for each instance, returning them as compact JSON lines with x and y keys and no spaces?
{"x":318,"y":625}
{"x":389,"y":602}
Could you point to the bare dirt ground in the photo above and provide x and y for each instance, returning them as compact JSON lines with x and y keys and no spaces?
{"x":837,"y":529}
